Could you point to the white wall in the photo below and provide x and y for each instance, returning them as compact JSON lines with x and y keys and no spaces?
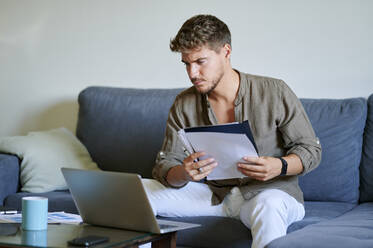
{"x":51,"y":50}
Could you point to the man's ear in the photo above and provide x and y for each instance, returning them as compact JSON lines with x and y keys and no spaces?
{"x":227,"y":50}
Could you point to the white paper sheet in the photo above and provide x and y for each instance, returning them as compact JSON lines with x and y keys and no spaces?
{"x":227,"y":149}
{"x":53,"y":217}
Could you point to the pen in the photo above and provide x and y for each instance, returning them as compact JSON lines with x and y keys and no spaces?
{"x":194,"y":161}
{"x":188,"y":154}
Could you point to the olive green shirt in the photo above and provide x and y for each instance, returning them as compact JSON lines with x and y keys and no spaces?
{"x":278,"y":122}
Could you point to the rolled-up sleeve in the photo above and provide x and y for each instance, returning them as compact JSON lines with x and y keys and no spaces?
{"x":298,"y":135}
{"x":172,"y":152}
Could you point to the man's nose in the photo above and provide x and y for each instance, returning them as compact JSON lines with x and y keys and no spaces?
{"x":193,"y":71}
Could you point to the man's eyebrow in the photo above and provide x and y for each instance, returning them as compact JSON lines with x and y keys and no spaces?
{"x":194,"y":60}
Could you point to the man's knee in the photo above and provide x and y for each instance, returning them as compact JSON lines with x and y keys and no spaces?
{"x":270,"y":202}
{"x":263,"y":206}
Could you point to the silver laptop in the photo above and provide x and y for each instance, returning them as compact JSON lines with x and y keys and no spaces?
{"x":116,"y":199}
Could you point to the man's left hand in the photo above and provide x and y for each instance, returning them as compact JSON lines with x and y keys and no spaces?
{"x":260,"y":168}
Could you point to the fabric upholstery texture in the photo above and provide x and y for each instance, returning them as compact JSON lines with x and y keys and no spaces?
{"x":366,"y":167}
{"x":123,"y":129}
{"x":339,"y":124}
{"x":216,"y":234}
{"x":9,"y":175}
{"x":42,"y":155}
{"x":320,"y":211}
{"x":353,"y":229}
{"x":57,"y":201}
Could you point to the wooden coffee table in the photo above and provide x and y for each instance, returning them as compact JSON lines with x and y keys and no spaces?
{"x":57,"y":236}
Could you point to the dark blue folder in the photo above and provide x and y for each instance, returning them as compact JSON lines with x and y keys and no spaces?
{"x":239,"y":128}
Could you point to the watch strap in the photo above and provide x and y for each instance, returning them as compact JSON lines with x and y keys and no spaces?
{"x":284,"y":168}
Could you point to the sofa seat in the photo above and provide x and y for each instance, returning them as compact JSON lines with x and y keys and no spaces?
{"x":59,"y":200}
{"x":352,"y":229}
{"x":215,"y":229}
{"x":321,"y":211}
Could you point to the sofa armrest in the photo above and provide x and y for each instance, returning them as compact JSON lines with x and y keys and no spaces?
{"x":9,"y":175}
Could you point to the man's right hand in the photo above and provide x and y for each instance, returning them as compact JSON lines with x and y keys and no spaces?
{"x":198,"y":169}
{"x":191,"y":170}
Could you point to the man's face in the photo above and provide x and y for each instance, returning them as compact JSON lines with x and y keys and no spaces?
{"x":205,"y":67}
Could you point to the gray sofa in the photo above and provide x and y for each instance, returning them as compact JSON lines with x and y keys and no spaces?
{"x":123,"y":131}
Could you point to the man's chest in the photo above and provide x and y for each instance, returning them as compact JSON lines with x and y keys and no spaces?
{"x":262,"y":123}
{"x":224,"y":113}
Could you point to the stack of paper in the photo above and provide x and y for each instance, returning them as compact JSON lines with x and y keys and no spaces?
{"x":53,"y":217}
{"x":227,"y":144}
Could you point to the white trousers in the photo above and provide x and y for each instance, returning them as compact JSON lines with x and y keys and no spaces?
{"x":268,"y":214}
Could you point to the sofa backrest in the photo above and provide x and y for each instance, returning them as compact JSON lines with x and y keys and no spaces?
{"x":339,"y":124}
{"x":366,"y":166}
{"x":123,"y":130}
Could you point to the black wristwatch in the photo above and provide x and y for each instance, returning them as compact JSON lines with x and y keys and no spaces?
{"x":284,"y":168}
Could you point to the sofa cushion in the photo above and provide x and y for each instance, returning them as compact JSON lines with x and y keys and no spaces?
{"x":42,"y":155}
{"x":9,"y":175}
{"x":57,"y":201}
{"x":227,"y":232}
{"x":366,"y":167}
{"x":353,"y":229}
{"x":339,"y":124}
{"x":320,"y":211}
{"x":123,"y":128}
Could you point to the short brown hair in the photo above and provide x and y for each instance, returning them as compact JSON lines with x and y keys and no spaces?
{"x":201,"y":30}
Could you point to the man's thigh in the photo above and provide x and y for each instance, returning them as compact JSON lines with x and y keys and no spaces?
{"x":194,"y":199}
{"x":272,"y":201}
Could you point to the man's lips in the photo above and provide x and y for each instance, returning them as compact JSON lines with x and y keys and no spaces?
{"x":198,"y":82}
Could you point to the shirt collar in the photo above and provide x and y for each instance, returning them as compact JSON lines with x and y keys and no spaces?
{"x":241,"y":88}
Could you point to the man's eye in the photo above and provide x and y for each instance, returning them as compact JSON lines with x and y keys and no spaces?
{"x":200,"y":62}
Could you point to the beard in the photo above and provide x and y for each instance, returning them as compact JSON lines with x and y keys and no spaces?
{"x":213,"y":83}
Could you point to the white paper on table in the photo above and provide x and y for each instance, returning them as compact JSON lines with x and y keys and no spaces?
{"x":227,"y":149}
{"x":53,"y":217}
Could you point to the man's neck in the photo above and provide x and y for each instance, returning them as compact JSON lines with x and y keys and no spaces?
{"x":226,"y":90}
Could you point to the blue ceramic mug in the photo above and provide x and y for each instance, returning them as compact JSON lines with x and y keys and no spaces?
{"x":34,"y":213}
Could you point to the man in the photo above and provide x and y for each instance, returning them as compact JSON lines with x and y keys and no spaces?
{"x":269,"y":199}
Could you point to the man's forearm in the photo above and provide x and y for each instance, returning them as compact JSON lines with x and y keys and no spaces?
{"x":295,"y":165}
{"x":265,"y":168}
